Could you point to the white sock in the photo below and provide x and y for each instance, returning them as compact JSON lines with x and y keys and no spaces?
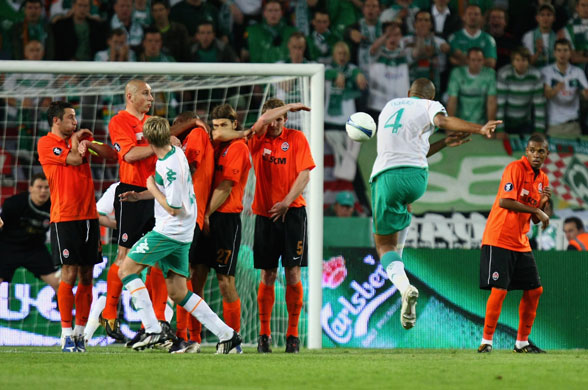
{"x":200,"y":309}
{"x":401,"y":240}
{"x":66,"y":332}
{"x":93,"y":319}
{"x":143,"y":305}
{"x":484,"y":341}
{"x":520,"y":344}
{"x":169,"y":310}
{"x":79,"y":330}
{"x":396,"y":274}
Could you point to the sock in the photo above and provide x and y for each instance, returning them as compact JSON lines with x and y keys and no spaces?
{"x":266,"y":297}
{"x":485,"y":341}
{"x":142,"y":303}
{"x":66,"y":332}
{"x":196,"y":306}
{"x":493,"y":308}
{"x":527,"y":313}
{"x":113,"y":290}
{"x":232,"y":314}
{"x":401,"y":240}
{"x":93,"y":319}
{"x":169,"y":309}
{"x":65,"y":299}
{"x":158,"y":293}
{"x":83,"y":303}
{"x":181,"y":325}
{"x":392,"y":262}
{"x":195,"y":330}
{"x":78,"y":330}
{"x":520,"y":344}
{"x":294,"y":295}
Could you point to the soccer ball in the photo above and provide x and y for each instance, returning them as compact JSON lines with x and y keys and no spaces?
{"x":360,"y":127}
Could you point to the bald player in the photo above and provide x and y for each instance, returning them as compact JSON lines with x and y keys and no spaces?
{"x":400,"y":174}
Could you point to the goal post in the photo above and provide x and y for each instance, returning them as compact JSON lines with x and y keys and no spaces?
{"x":181,"y":77}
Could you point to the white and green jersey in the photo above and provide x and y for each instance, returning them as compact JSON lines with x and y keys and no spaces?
{"x":462,"y":40}
{"x":404,"y":128}
{"x":105,"y":204}
{"x":564,"y":106}
{"x":520,"y":98}
{"x":576,"y":31}
{"x":472,"y":91}
{"x":172,"y":176}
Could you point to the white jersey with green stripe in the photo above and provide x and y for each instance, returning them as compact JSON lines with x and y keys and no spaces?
{"x":404,"y":128}
{"x":172,"y":177}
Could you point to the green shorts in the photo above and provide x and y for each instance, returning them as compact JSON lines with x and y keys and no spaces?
{"x":392,"y":191}
{"x":167,"y":254}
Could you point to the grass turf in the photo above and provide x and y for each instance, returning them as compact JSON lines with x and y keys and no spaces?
{"x":117,"y":367}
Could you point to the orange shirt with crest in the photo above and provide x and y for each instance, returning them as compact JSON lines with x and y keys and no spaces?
{"x":277,"y":162}
{"x":71,"y":187}
{"x":508,"y":229}
{"x":126,"y":132}
{"x":233,"y":164}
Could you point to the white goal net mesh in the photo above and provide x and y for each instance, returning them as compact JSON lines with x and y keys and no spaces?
{"x":24,"y":98}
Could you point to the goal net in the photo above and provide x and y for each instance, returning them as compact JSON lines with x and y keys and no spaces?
{"x":28,"y":313}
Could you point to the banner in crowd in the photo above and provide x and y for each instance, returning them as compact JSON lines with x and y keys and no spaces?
{"x":361,"y":308}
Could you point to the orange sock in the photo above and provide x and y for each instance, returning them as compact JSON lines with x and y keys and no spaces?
{"x":195,"y":330}
{"x":493,"y":308}
{"x":232,"y":314}
{"x":527,"y":312}
{"x":158,"y":293}
{"x":266,"y":297}
{"x":294,"y":295}
{"x":113,"y":289}
{"x":83,"y":303}
{"x":181,"y":317}
{"x":65,"y":299}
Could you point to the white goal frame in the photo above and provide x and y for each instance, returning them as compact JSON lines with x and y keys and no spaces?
{"x":315,"y":190}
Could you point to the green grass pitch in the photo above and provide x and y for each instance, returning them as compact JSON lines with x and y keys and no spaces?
{"x":118,"y":368}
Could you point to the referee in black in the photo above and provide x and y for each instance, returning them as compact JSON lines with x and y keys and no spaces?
{"x":23,"y":236}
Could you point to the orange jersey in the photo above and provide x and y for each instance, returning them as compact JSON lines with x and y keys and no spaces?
{"x":508,"y":229}
{"x":200,"y":154}
{"x":72,"y":187}
{"x":277,"y":162}
{"x":126,"y":131}
{"x":233,"y":164}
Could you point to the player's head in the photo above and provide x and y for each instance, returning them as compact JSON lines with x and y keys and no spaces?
{"x":537,"y":150}
{"x":39,"y":189}
{"x":572,"y":227}
{"x":519,"y":58}
{"x":156,"y":131}
{"x":185,"y":117}
{"x":138,"y":96}
{"x":224,"y":117}
{"x":422,"y":88}
{"x":562,"y":51}
{"x":275,"y":128}
{"x":62,"y":118}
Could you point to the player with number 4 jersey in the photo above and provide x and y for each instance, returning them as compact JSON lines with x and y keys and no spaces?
{"x":400,"y":174}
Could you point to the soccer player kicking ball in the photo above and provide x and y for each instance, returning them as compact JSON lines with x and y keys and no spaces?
{"x":400,"y":174}
{"x":506,"y":262}
{"x":168,"y":244}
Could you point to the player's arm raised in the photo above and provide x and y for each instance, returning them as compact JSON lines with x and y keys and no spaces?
{"x":98,"y":149}
{"x":74,"y":157}
{"x":453,"y":123}
{"x":269,"y":116}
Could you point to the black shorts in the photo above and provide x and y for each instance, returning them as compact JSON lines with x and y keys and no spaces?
{"x":133,"y":219}
{"x":508,"y":270}
{"x":286,"y":239}
{"x":220,"y":249}
{"x":75,"y":242}
{"x":36,"y":259}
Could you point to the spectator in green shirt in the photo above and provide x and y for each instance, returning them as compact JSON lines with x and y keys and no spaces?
{"x":343,"y":13}
{"x":472,"y":90}
{"x":207,"y":48}
{"x":321,"y":40}
{"x":472,"y":36}
{"x":34,"y":27}
{"x":268,"y":41}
